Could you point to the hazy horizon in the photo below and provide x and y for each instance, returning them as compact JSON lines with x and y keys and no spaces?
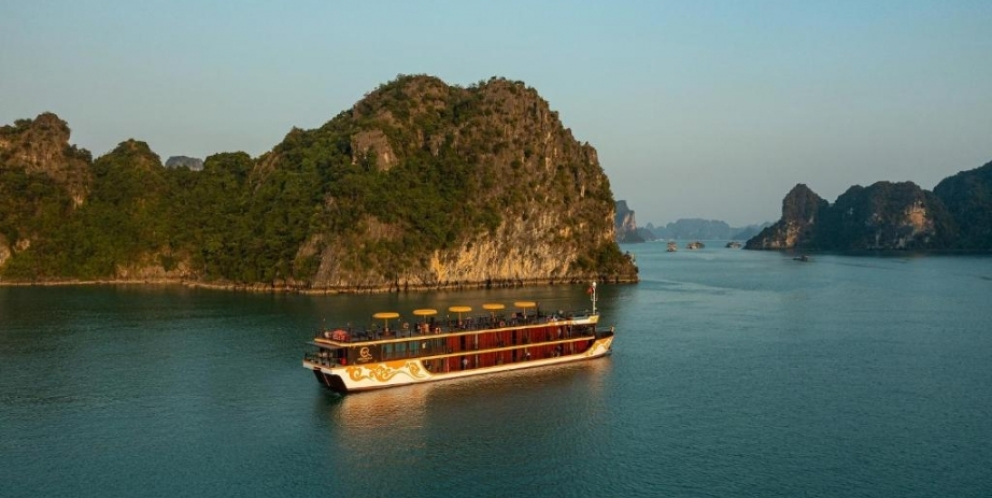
{"x":708,"y":110}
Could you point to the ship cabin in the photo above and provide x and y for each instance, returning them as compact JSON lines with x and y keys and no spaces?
{"x":460,"y":341}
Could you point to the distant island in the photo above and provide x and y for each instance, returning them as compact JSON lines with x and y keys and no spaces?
{"x":683,"y":229}
{"x":955,"y":216}
{"x":192,"y":163}
{"x":420,"y":185}
{"x":625,"y":225}
{"x":700,"y":229}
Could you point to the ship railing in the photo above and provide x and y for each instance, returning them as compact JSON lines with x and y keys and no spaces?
{"x":429,"y":349}
{"x":454,"y":325}
{"x":321,"y":358}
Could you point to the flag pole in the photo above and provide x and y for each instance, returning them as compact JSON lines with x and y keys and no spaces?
{"x":593,"y":289}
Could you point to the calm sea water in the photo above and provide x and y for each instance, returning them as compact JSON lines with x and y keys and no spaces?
{"x":734,"y":373}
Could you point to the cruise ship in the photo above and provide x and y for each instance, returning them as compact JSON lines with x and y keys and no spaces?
{"x":489,"y":340}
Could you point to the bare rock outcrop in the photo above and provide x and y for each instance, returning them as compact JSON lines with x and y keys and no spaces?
{"x":883,"y":216}
{"x":801,"y":209}
{"x":626,"y":224}
{"x":41,"y":146}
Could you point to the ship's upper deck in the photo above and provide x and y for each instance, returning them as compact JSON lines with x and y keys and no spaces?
{"x":427,"y":324}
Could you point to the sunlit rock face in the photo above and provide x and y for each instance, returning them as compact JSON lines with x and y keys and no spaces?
{"x":883,"y":216}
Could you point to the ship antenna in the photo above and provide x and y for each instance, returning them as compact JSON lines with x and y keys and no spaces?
{"x":592,"y":291}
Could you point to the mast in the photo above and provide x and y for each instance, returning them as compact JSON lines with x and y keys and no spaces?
{"x":592,"y":292}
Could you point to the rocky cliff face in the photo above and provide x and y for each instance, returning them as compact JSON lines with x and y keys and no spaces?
{"x":968,"y":198}
{"x":43,"y":180}
{"x":883,"y":216}
{"x":801,"y":209}
{"x":41,"y":147}
{"x":4,"y":250}
{"x":886,"y":216}
{"x":626,"y":224}
{"x":515,"y":254}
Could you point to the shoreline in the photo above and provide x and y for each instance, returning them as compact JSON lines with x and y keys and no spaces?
{"x":285,"y":288}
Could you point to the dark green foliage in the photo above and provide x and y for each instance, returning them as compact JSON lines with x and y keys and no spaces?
{"x":123,"y":219}
{"x":605,"y":259}
{"x":30,"y":203}
{"x":41,"y":179}
{"x":210,"y":216}
{"x":968,"y":197}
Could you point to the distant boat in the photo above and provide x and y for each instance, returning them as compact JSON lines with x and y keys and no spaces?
{"x":804,"y":258}
{"x":695,"y":245}
{"x":672,"y":246}
{"x":733,"y":244}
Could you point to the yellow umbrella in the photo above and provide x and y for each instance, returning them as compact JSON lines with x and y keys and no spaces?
{"x":493,"y":307}
{"x":386,"y":316}
{"x":426,"y":312}
{"x":525,"y":305}
{"x":460,"y":310}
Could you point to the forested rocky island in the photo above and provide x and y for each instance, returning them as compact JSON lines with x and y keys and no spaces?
{"x":955,"y":216}
{"x":420,"y":185}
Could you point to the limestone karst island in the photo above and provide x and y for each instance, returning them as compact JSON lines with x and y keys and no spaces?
{"x":956,"y":216}
{"x":420,"y":185}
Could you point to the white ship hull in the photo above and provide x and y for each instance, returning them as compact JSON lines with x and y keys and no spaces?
{"x":379,"y":375}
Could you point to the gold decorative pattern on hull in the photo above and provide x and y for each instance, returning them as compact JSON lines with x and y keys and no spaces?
{"x":384,"y":372}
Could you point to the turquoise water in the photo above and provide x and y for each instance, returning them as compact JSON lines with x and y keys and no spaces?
{"x":734,"y":373}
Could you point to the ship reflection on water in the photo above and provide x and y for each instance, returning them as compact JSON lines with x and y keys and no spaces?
{"x":394,"y":408}
{"x":410,"y":407}
{"x":428,"y":426}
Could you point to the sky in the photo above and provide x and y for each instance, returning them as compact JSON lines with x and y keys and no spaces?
{"x":698,"y":109}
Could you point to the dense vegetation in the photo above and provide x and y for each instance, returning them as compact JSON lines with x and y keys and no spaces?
{"x":414,"y":168}
{"x":968,"y":197}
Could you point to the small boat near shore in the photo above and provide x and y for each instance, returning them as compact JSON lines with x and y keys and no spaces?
{"x":461,"y":345}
